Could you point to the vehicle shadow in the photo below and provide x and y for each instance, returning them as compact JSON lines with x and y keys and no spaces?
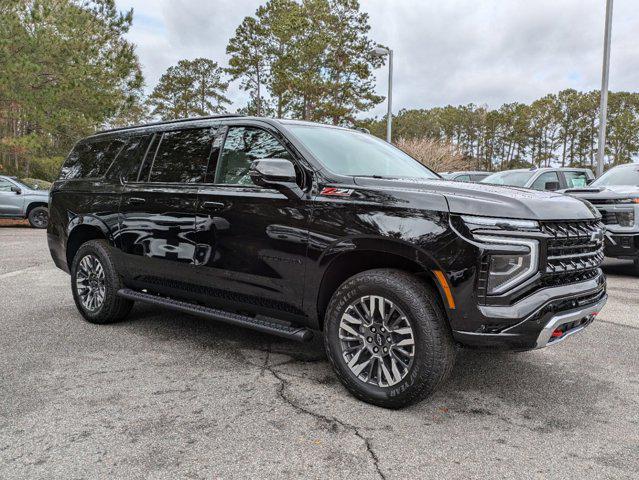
{"x":523,"y":389}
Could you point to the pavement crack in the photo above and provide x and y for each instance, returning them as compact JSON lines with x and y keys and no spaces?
{"x":331,"y":422}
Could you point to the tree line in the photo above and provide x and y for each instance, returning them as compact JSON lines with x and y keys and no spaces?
{"x":555,"y":130}
{"x":66,"y":70}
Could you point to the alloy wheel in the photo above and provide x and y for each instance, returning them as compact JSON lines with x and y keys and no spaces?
{"x":377,"y":341}
{"x":90,"y":283}
{"x":40,"y":219}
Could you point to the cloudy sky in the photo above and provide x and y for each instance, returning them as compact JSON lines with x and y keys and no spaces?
{"x":446,"y":52}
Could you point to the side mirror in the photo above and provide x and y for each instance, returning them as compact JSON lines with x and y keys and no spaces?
{"x":552,"y":186}
{"x":273,"y":173}
{"x":589,"y":181}
{"x":17,"y":190}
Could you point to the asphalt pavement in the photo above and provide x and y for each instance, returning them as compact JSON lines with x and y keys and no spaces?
{"x":166,"y":395}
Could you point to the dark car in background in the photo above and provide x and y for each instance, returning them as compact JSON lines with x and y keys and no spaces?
{"x":470,"y":176}
{"x":551,"y":179}
{"x":291,"y":228}
{"x":616,"y":196}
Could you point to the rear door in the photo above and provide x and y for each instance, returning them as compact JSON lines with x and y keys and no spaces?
{"x":157,"y":210}
{"x":253,"y":239}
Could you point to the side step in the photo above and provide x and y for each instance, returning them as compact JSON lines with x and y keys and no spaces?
{"x":261,"y":324}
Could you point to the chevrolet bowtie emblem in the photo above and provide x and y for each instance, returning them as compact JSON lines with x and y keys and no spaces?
{"x":597,"y":235}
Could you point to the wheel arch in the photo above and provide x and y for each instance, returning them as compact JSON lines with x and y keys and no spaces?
{"x":81,"y":230}
{"x":33,"y":205}
{"x":341,"y":265}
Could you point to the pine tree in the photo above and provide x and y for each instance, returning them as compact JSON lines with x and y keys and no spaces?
{"x":190,"y":88}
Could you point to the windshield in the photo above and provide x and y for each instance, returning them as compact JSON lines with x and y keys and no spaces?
{"x":514,"y":179}
{"x":347,"y":152}
{"x":619,"y":176}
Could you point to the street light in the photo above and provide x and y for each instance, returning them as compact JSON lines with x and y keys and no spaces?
{"x":603,"y":108}
{"x":382,"y":52}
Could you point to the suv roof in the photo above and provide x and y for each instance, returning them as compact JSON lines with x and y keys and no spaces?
{"x":543,"y":169}
{"x":152,"y":125}
{"x":169,"y":122}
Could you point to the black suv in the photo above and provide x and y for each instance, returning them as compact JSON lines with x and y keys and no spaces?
{"x":291,"y":227}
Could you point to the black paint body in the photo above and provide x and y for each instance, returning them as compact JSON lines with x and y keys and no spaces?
{"x":264,"y":251}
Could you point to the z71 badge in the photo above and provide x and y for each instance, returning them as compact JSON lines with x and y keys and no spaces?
{"x":336,"y":192}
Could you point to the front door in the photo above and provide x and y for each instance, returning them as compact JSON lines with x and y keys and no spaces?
{"x":253,"y":240}
{"x":157,"y":213}
{"x":11,"y":202}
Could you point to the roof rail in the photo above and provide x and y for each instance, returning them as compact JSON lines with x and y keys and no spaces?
{"x":166,"y":122}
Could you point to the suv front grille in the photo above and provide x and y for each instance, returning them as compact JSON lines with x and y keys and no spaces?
{"x":573,"y":247}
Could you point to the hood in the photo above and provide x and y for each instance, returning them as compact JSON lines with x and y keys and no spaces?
{"x":37,"y":193}
{"x":492,"y":200}
{"x":605,"y":193}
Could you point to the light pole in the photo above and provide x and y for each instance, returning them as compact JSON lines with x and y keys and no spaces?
{"x":603,"y":108}
{"x":382,"y":52}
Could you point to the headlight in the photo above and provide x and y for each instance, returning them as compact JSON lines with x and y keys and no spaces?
{"x":505,"y":223}
{"x":626,"y":219}
{"x":513,"y":266}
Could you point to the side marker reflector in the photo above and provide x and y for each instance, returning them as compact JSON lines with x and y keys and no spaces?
{"x":441,"y":278}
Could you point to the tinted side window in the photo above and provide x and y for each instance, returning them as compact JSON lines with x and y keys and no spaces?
{"x":576,"y":179}
{"x":242,"y":146}
{"x":540,"y":183}
{"x":90,"y":159}
{"x":127,"y":163}
{"x":182,"y":156}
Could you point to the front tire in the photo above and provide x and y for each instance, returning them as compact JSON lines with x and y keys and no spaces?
{"x":387,"y":337}
{"x":95,"y":283}
{"x":39,"y":217}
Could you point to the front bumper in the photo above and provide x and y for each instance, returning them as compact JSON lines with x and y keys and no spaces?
{"x":544,"y":318}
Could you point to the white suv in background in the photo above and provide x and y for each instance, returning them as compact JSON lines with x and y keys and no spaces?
{"x":551,"y":179}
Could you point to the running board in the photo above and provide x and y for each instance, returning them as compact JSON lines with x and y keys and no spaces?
{"x":259,"y":323}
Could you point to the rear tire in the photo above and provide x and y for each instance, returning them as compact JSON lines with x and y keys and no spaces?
{"x":39,"y":217}
{"x":417,"y":328}
{"x":95,"y":283}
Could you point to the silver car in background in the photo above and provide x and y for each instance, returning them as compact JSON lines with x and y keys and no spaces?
{"x":616,"y":196}
{"x":19,"y":201}
{"x":550,"y":179}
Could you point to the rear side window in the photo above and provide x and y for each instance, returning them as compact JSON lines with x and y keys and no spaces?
{"x":182,"y":156}
{"x":127,"y":163}
{"x":91,"y":159}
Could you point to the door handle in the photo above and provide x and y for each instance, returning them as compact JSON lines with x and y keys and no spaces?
{"x":136,"y":201}
{"x":213,"y":205}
